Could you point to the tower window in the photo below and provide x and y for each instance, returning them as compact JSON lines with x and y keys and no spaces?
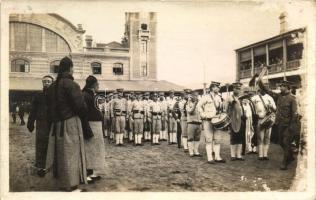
{"x":20,"y":65}
{"x":118,"y":69}
{"x":96,"y":68}
{"x":54,"y":66}
{"x":144,"y":27}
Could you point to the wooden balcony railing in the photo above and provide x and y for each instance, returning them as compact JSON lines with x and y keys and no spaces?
{"x":272,"y":69}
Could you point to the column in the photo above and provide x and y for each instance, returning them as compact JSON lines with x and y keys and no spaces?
{"x":284,"y":58}
{"x":252,"y":62}
{"x":43,"y":40}
{"x":267,"y":54}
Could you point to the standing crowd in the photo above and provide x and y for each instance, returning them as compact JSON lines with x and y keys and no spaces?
{"x":72,"y":124}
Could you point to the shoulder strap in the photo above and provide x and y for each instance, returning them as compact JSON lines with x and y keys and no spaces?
{"x":265,"y":106}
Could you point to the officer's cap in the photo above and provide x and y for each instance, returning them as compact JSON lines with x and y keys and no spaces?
{"x":213,"y":83}
{"x":237,"y":85}
{"x":286,"y":83}
{"x":120,"y":90}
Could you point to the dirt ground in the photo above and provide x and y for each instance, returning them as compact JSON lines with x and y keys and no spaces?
{"x":156,"y":169}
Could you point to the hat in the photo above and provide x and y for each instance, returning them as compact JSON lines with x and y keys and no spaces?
{"x":120,"y":90}
{"x":115,"y":92}
{"x":171,"y":91}
{"x":146,"y":94}
{"x":110,"y":94}
{"x":213,"y":83}
{"x":90,"y":81}
{"x":65,"y":65}
{"x":187,"y":91}
{"x":286,"y":83}
{"x":237,"y":85}
{"x":155,"y":94}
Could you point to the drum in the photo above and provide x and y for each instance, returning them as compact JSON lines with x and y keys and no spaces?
{"x":220,"y":121}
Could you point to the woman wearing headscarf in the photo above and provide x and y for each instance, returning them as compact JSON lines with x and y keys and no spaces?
{"x":94,"y":147}
{"x":65,"y":153}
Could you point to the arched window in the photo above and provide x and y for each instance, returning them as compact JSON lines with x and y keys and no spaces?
{"x":118,"y":69}
{"x":20,"y":65}
{"x":54,"y":66}
{"x":96,"y":68}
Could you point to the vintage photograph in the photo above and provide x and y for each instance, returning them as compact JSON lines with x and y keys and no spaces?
{"x":190,"y":96}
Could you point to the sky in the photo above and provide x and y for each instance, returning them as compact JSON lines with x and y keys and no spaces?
{"x":195,"y":39}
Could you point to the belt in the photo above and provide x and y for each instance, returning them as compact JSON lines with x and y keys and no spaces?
{"x":156,"y":113}
{"x":197,"y":123}
{"x":117,"y":110}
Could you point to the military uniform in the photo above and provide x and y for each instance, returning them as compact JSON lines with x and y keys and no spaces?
{"x":183,"y":122}
{"x":286,"y":114}
{"x":209,"y":106}
{"x":107,"y":116}
{"x":147,"y":124}
{"x":119,"y":108}
{"x":172,"y":122}
{"x":155,"y":115}
{"x":194,"y":125}
{"x":164,"y":117}
{"x":261,"y":102}
{"x":129,"y":113}
{"x":137,"y":117}
{"x":236,"y":112}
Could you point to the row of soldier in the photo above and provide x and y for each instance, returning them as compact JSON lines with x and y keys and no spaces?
{"x":69,"y":140}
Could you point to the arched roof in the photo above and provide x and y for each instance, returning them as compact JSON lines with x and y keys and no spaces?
{"x":57,"y":24}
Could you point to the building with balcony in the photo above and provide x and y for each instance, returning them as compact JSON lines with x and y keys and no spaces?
{"x":284,"y":55}
{"x":39,"y":41}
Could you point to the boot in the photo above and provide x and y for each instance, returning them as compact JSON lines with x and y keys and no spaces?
{"x":265,"y":151}
{"x":117,"y":139}
{"x":217,"y":149}
{"x":122,"y":138}
{"x":175,"y":137}
{"x":260,"y":149}
{"x":196,"y":148}
{"x":190,"y":147}
{"x":233,"y":152}
{"x":185,"y":143}
{"x":209,"y":152}
{"x":239,"y":151}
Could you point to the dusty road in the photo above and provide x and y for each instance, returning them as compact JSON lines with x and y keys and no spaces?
{"x":156,"y":168}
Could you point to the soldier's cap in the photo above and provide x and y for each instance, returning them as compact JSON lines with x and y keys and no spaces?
{"x":171,"y":91}
{"x":115,"y":92}
{"x":286,"y":83}
{"x":120,"y":90}
{"x":161,"y":93}
{"x":147,"y":94}
{"x":213,"y":83}
{"x":132,"y":93}
{"x":110,"y":94}
{"x":187,"y":91}
{"x":155,"y":94}
{"x":237,"y":85}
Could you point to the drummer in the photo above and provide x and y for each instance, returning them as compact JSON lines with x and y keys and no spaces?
{"x":210,"y":106}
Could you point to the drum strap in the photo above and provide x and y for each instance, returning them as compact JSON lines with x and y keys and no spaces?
{"x":265,"y":106}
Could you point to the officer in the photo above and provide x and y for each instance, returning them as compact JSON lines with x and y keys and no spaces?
{"x":286,"y":113}
{"x":155,"y":116}
{"x":211,"y":105}
{"x":164,"y":117}
{"x":147,"y":124}
{"x":137,"y":118}
{"x":172,"y":122}
{"x":194,"y":124}
{"x":119,"y":108}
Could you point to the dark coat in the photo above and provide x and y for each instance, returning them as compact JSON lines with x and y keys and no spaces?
{"x":65,"y":99}
{"x":93,"y":114}
{"x":38,"y":108}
